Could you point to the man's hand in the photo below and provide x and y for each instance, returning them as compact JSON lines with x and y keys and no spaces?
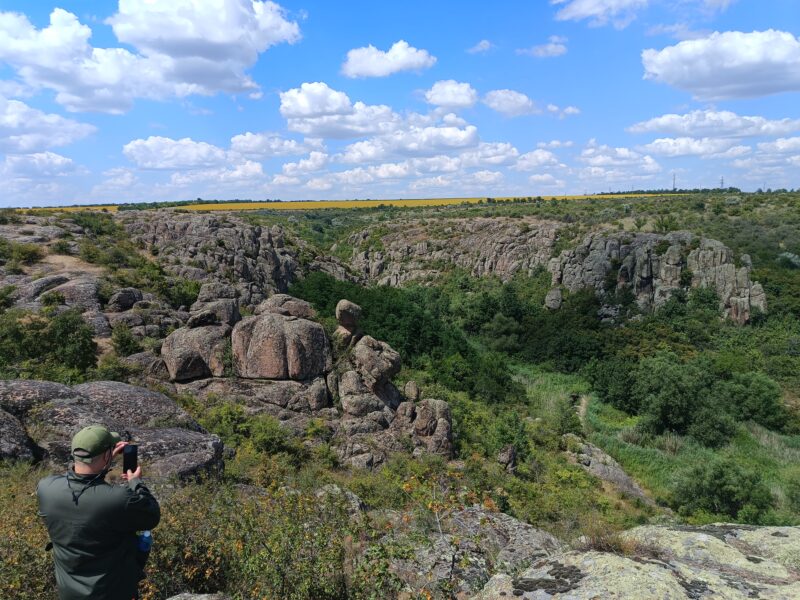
{"x":118,"y":448}
{"x":132,"y":474}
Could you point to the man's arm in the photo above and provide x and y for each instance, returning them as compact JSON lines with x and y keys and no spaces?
{"x":141,"y":508}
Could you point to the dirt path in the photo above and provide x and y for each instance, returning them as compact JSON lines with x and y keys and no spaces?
{"x":582,"y":408}
{"x":62,"y":262}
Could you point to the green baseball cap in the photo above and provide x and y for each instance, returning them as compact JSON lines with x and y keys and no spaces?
{"x":92,"y":441}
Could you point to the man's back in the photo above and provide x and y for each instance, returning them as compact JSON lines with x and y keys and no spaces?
{"x":92,"y":526}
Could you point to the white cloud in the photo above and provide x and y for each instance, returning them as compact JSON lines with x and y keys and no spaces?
{"x":119,"y":177}
{"x":732,"y":64}
{"x":481,"y":47}
{"x":451,"y":94}
{"x":364,"y":120}
{"x":319,"y":184}
{"x":284,"y":180}
{"x":702,"y":147}
{"x":264,"y":145}
{"x":485,"y":177}
{"x":556,"y":46}
{"x":555,"y":144}
{"x":37,"y":165}
{"x":371,"y":62}
{"x":535,"y":159}
{"x":314,"y":162}
{"x":781,"y":146}
{"x":158,"y":152}
{"x":242,"y":173}
{"x":489,"y":153}
{"x":546,"y":180}
{"x":619,"y":12}
{"x":609,"y":163}
{"x":232,"y":31}
{"x":180,"y":48}
{"x":557,"y":111}
{"x":716,"y":124}
{"x":440,"y":181}
{"x":412,"y":141}
{"x":26,"y":129}
{"x":315,"y":99}
{"x":717,"y":5}
{"x":319,"y":111}
{"x":509,"y":103}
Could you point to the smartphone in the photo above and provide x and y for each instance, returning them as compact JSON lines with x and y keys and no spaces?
{"x":130,"y":458}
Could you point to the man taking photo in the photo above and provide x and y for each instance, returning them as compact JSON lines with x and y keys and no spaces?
{"x":93,"y":524}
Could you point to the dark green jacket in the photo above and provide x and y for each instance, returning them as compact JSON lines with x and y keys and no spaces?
{"x":93,"y":526}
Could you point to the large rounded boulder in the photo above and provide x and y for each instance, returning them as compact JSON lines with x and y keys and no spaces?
{"x":274,"y":346}
{"x":196,"y":353}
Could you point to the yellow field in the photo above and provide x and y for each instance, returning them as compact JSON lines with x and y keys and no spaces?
{"x":317,"y":204}
{"x":312,"y":205}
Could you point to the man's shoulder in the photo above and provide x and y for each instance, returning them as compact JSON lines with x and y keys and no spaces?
{"x":50,"y":480}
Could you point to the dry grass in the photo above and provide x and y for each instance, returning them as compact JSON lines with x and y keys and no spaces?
{"x":102,"y":208}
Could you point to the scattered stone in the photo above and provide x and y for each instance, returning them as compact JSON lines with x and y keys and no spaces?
{"x":553,"y":299}
{"x":123,"y":299}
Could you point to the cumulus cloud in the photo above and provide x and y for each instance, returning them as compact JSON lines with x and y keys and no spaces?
{"x":244,"y":172}
{"x":315,"y":99}
{"x":781,"y":146}
{"x":481,"y":47}
{"x":702,"y":147}
{"x":555,"y":46}
{"x":264,"y":145}
{"x":158,"y":152}
{"x":371,"y":62}
{"x":563,"y":113}
{"x":38,"y":165}
{"x":509,"y":103}
{"x":715,"y":123}
{"x":555,"y":144}
{"x":314,"y":162}
{"x":451,"y":94}
{"x":732,"y":64}
{"x":181,"y":48}
{"x":546,"y":180}
{"x":600,"y":12}
{"x":26,"y":129}
{"x":489,"y":153}
{"x":317,"y":110}
{"x":536,"y":159}
{"x":614,"y":164}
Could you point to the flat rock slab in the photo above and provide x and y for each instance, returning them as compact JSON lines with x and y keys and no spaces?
{"x":681,"y":562}
{"x":48,"y":414}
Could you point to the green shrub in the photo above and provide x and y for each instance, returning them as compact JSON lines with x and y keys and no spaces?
{"x":722,"y":487}
{"x":752,"y":397}
{"x":124,"y":342}
{"x":60,"y":247}
{"x":19,"y":254}
{"x":52,"y":299}
{"x":45,"y":346}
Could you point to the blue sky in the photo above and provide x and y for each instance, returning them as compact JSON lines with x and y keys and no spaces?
{"x":139,"y":100}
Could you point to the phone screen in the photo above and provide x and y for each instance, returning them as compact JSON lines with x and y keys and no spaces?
{"x":130,"y":455}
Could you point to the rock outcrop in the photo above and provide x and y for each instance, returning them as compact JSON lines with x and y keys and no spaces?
{"x":420,"y":250}
{"x":593,"y":460}
{"x":654,"y":266}
{"x":473,"y":544}
{"x":218,"y":248}
{"x":377,"y":420}
{"x":48,"y":415}
{"x":715,"y":561}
